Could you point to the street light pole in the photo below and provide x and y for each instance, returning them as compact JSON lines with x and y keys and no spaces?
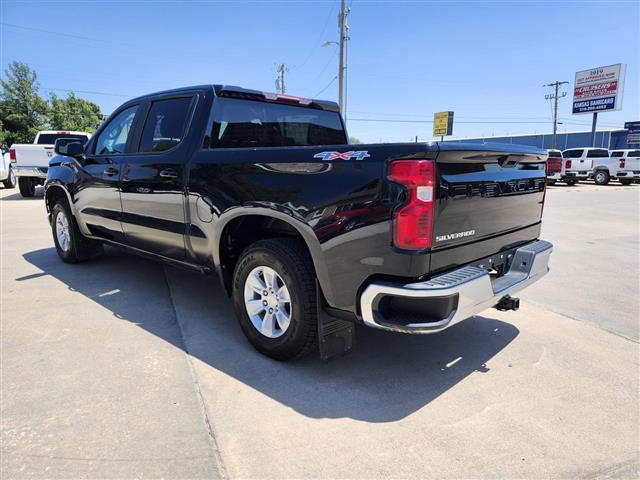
{"x":341,"y":65}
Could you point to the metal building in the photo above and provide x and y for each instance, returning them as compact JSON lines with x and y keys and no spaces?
{"x":611,"y":139}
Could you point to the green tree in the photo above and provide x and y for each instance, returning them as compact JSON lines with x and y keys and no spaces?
{"x":73,"y":113}
{"x":23,"y":112}
{"x":354,"y":141}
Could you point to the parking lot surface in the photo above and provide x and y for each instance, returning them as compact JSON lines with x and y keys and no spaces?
{"x":125,"y":368}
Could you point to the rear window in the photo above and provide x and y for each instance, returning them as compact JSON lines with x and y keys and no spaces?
{"x":634,"y":153}
{"x":598,"y":154}
{"x":50,"y":138}
{"x":247,"y":123}
{"x":555,"y":153}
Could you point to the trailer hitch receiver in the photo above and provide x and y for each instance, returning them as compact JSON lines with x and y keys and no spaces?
{"x":508,"y":303}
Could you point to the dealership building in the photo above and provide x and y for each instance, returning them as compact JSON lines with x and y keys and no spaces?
{"x":611,"y":139}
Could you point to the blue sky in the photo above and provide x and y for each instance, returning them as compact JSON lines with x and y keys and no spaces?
{"x":486,"y":61}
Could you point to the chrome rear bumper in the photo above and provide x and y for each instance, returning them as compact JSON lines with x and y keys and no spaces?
{"x":467,"y":291}
{"x":39,"y":172}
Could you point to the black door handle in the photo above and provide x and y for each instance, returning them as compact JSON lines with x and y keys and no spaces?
{"x":168,"y":173}
{"x":110,"y":172}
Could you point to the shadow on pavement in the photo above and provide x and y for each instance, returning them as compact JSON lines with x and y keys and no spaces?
{"x":385,"y":378}
{"x":39,"y":195}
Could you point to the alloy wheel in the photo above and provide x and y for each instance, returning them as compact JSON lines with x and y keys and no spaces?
{"x":267,"y":301}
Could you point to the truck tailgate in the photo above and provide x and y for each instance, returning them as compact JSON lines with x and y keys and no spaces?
{"x":486,"y":191}
{"x":28,"y":155}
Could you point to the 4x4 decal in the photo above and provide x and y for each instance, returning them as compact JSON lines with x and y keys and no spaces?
{"x":359,"y":155}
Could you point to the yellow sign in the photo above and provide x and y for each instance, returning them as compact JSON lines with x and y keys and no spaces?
{"x":442,"y":124}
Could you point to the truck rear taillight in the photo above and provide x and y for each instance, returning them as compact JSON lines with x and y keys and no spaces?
{"x":278,"y":97}
{"x":413,"y":221}
{"x":567,"y":164}
{"x":12,"y":155}
{"x":622,"y":162}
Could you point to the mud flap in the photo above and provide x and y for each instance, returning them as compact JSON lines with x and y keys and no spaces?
{"x":335,"y":336}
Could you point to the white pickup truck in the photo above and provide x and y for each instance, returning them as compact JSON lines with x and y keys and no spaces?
{"x":578,"y":163}
{"x":7,"y":177}
{"x":30,"y":162}
{"x":622,"y":164}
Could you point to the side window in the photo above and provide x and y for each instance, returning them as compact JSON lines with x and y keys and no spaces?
{"x":617,"y":153}
{"x":572,"y":153}
{"x":598,"y":154}
{"x":113,"y":138}
{"x":165,"y":124}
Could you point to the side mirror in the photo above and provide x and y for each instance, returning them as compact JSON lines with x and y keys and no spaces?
{"x":71,"y":147}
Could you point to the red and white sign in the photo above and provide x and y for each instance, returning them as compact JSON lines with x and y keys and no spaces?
{"x":598,"y":89}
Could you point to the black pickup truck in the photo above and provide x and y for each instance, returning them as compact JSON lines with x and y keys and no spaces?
{"x":307,"y":233}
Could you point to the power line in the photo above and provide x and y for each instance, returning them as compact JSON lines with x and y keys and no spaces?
{"x":335,"y":54}
{"x":328,"y":85}
{"x":465,"y":116}
{"x":431,"y":121}
{"x":89,"y":92}
{"x":317,"y":43}
{"x":62,"y":34}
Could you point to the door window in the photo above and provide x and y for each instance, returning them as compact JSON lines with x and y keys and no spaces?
{"x":165,"y":124}
{"x":598,"y":153}
{"x":113,"y":138}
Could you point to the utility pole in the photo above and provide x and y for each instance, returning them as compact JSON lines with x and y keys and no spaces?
{"x":342,"y":66}
{"x":282,"y":69}
{"x":555,"y":97}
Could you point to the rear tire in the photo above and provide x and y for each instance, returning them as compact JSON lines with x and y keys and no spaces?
{"x":27,"y":187}
{"x":625,"y":182}
{"x":294,"y":273}
{"x":601,"y":177}
{"x":551,"y":182}
{"x":10,"y":182}
{"x":71,"y":245}
{"x":571,"y":181}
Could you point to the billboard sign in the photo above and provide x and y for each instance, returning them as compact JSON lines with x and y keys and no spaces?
{"x":633,"y":127}
{"x":598,"y":89}
{"x":633,"y":138}
{"x":442,"y":124}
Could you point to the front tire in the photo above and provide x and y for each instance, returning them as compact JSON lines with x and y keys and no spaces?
{"x":27,"y":187}
{"x":275,"y":298}
{"x":571,"y":181}
{"x":10,"y":182}
{"x":601,"y":177}
{"x":71,"y":245}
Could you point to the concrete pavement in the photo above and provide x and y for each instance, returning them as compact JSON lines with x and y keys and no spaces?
{"x":595,"y":268}
{"x":123,"y":368}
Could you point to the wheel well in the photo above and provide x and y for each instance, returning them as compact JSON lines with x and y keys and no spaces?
{"x":53,"y":195}
{"x":241,"y":232}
